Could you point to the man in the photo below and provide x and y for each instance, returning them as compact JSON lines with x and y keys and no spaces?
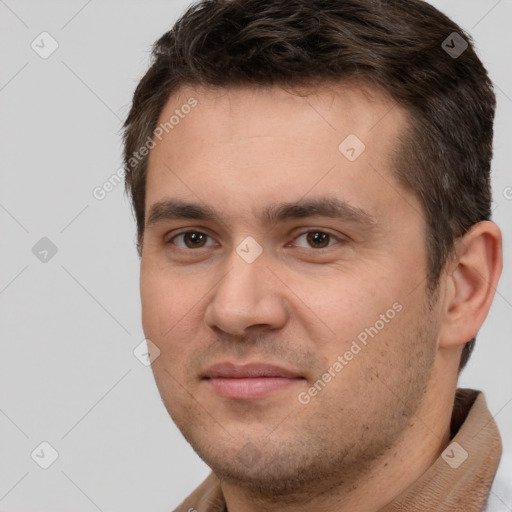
{"x":311,"y":186}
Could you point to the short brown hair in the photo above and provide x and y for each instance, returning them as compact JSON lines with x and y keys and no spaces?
{"x":399,"y":46}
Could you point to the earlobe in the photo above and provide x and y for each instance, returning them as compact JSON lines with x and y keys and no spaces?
{"x":471,"y":284}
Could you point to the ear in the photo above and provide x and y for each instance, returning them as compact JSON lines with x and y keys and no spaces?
{"x":471,"y":282}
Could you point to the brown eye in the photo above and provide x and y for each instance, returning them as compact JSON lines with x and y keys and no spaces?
{"x":191,"y":240}
{"x":194,"y":239}
{"x":318,"y":239}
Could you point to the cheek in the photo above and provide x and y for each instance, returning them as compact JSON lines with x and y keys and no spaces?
{"x":343,"y":302}
{"x":165,"y":305}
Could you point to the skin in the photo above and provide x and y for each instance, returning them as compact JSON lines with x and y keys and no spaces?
{"x":384,"y":418}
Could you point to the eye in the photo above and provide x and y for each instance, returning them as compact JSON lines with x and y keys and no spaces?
{"x":191,"y":240}
{"x":316,"y":239}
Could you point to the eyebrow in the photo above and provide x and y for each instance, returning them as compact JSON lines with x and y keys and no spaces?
{"x":171,"y":209}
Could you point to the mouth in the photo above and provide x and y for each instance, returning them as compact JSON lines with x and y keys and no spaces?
{"x":249,"y":381}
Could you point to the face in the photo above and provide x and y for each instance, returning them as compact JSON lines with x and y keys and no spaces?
{"x":283,"y":281}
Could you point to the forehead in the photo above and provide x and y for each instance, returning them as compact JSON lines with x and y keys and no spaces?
{"x":268,"y":144}
{"x":247,"y":111}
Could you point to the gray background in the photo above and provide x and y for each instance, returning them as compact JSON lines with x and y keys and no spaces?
{"x":68,"y":375}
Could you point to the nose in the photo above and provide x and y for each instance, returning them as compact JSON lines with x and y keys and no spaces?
{"x":249,"y":295}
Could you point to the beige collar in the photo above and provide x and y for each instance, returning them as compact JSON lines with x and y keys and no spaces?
{"x":458,"y":481}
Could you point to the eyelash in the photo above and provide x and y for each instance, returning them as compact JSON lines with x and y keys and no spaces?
{"x":332,"y":236}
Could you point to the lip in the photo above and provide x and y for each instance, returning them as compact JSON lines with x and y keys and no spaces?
{"x":229,"y":370}
{"x":249,"y":381}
